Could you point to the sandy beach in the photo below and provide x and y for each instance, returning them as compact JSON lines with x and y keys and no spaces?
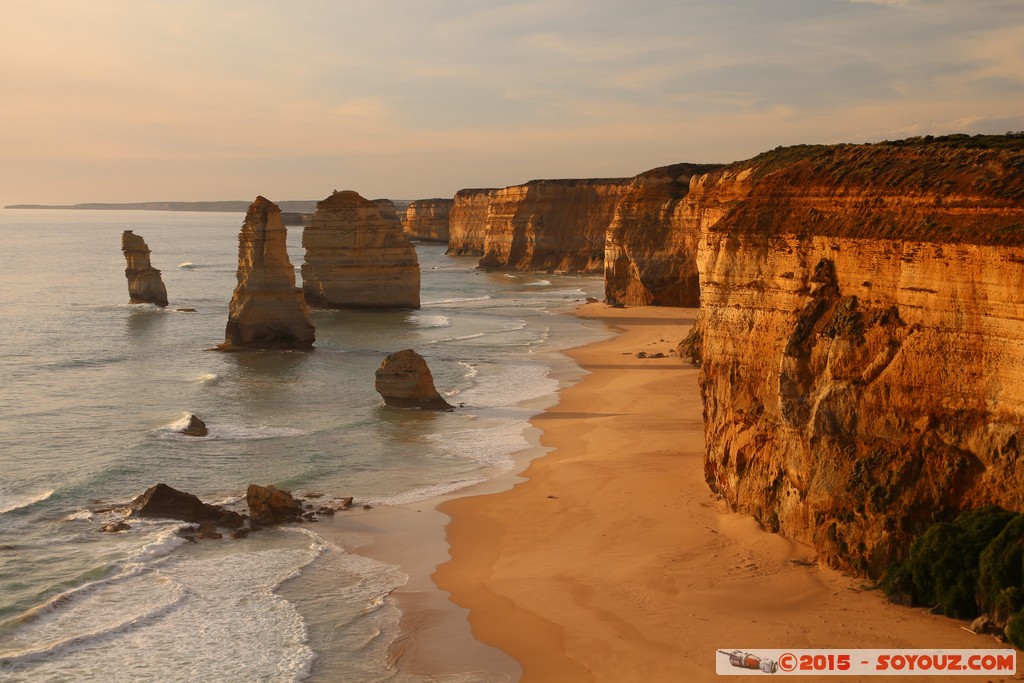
{"x":613,"y":561}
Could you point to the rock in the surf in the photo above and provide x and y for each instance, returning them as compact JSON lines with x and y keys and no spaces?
{"x":404,"y":381}
{"x":163,"y":501}
{"x":267,"y":311}
{"x":358,"y":257}
{"x":195,"y":427}
{"x":271,"y":505}
{"x":145,"y":286}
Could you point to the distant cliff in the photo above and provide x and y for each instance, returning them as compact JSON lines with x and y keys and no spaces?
{"x":651,"y":246}
{"x":861,"y":338}
{"x":427,"y":220}
{"x":550,"y":225}
{"x":467,"y":222}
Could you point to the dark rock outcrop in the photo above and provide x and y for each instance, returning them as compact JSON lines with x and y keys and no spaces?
{"x":404,"y":381}
{"x":267,"y":311}
{"x":270,"y":505}
{"x":195,"y":427}
{"x":145,"y":286}
{"x":166,"y":502}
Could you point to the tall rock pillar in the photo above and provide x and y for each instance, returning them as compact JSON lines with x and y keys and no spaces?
{"x":145,"y":286}
{"x":267,"y":310}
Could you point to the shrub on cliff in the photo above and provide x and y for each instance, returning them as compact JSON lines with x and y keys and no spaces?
{"x":1001,"y":573}
{"x":1015,"y":630}
{"x":943,"y":566}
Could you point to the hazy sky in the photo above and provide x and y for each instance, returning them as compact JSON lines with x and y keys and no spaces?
{"x":135,"y":100}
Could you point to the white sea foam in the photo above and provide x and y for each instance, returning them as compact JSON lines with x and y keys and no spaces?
{"x":217,"y":594}
{"x":16,"y":501}
{"x":172,"y":432}
{"x":187,"y":265}
{"x":79,"y":515}
{"x":539,"y":283}
{"x":456,"y":300}
{"x":207,"y":378}
{"x":429,"y":321}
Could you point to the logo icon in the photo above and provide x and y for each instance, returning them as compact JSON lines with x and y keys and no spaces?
{"x":745,"y":660}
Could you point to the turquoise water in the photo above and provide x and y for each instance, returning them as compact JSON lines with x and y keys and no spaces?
{"x":92,"y":388}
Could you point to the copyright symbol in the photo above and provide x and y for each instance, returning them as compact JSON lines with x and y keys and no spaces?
{"x":787,"y":661}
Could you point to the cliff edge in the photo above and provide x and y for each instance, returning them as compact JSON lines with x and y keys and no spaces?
{"x":861,"y":338}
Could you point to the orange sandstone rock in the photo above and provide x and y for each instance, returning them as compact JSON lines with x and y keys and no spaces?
{"x":427,"y":219}
{"x":145,"y":286}
{"x":356,"y":257}
{"x":267,"y":311}
{"x":861,"y":339}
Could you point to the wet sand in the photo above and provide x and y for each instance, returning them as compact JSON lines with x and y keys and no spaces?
{"x":613,"y":561}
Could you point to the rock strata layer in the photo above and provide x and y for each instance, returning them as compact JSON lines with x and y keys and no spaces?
{"x":427,"y":220}
{"x":556,"y":225}
{"x":145,"y":286}
{"x":404,"y":381}
{"x":651,"y":246}
{"x":467,"y":222}
{"x":358,"y":258}
{"x":861,"y":338}
{"x":267,"y":311}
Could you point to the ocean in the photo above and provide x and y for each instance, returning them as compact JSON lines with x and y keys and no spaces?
{"x":93,"y":390}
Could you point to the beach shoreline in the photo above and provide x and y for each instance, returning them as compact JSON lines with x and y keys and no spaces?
{"x":611,"y":560}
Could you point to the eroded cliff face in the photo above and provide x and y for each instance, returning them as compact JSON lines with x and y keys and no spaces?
{"x":861,"y":336}
{"x":467,"y":222}
{"x":358,"y":258}
{"x":145,"y":286}
{"x":555,"y":225}
{"x":650,"y":255}
{"x":427,"y":220}
{"x":267,"y":311}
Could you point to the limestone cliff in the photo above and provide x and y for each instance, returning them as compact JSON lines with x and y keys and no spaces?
{"x":427,"y":220}
{"x":388,"y":209}
{"x":550,"y":225}
{"x":145,"y":286}
{"x":467,"y":222}
{"x":651,"y":246}
{"x":861,"y":336}
{"x":267,"y":311}
{"x":358,"y":258}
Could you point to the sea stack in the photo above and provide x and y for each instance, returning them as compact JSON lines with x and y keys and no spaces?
{"x":358,"y":257}
{"x":267,"y":310}
{"x":404,"y":381}
{"x":145,"y":285}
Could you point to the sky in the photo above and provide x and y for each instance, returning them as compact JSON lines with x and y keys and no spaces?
{"x":187,"y":100}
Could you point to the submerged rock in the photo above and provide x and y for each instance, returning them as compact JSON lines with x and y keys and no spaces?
{"x":267,"y":311}
{"x":358,"y":257}
{"x":145,"y":286}
{"x":270,"y":505}
{"x":404,"y":381}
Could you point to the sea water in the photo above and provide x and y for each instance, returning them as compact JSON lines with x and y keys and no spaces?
{"x":92,"y":391}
